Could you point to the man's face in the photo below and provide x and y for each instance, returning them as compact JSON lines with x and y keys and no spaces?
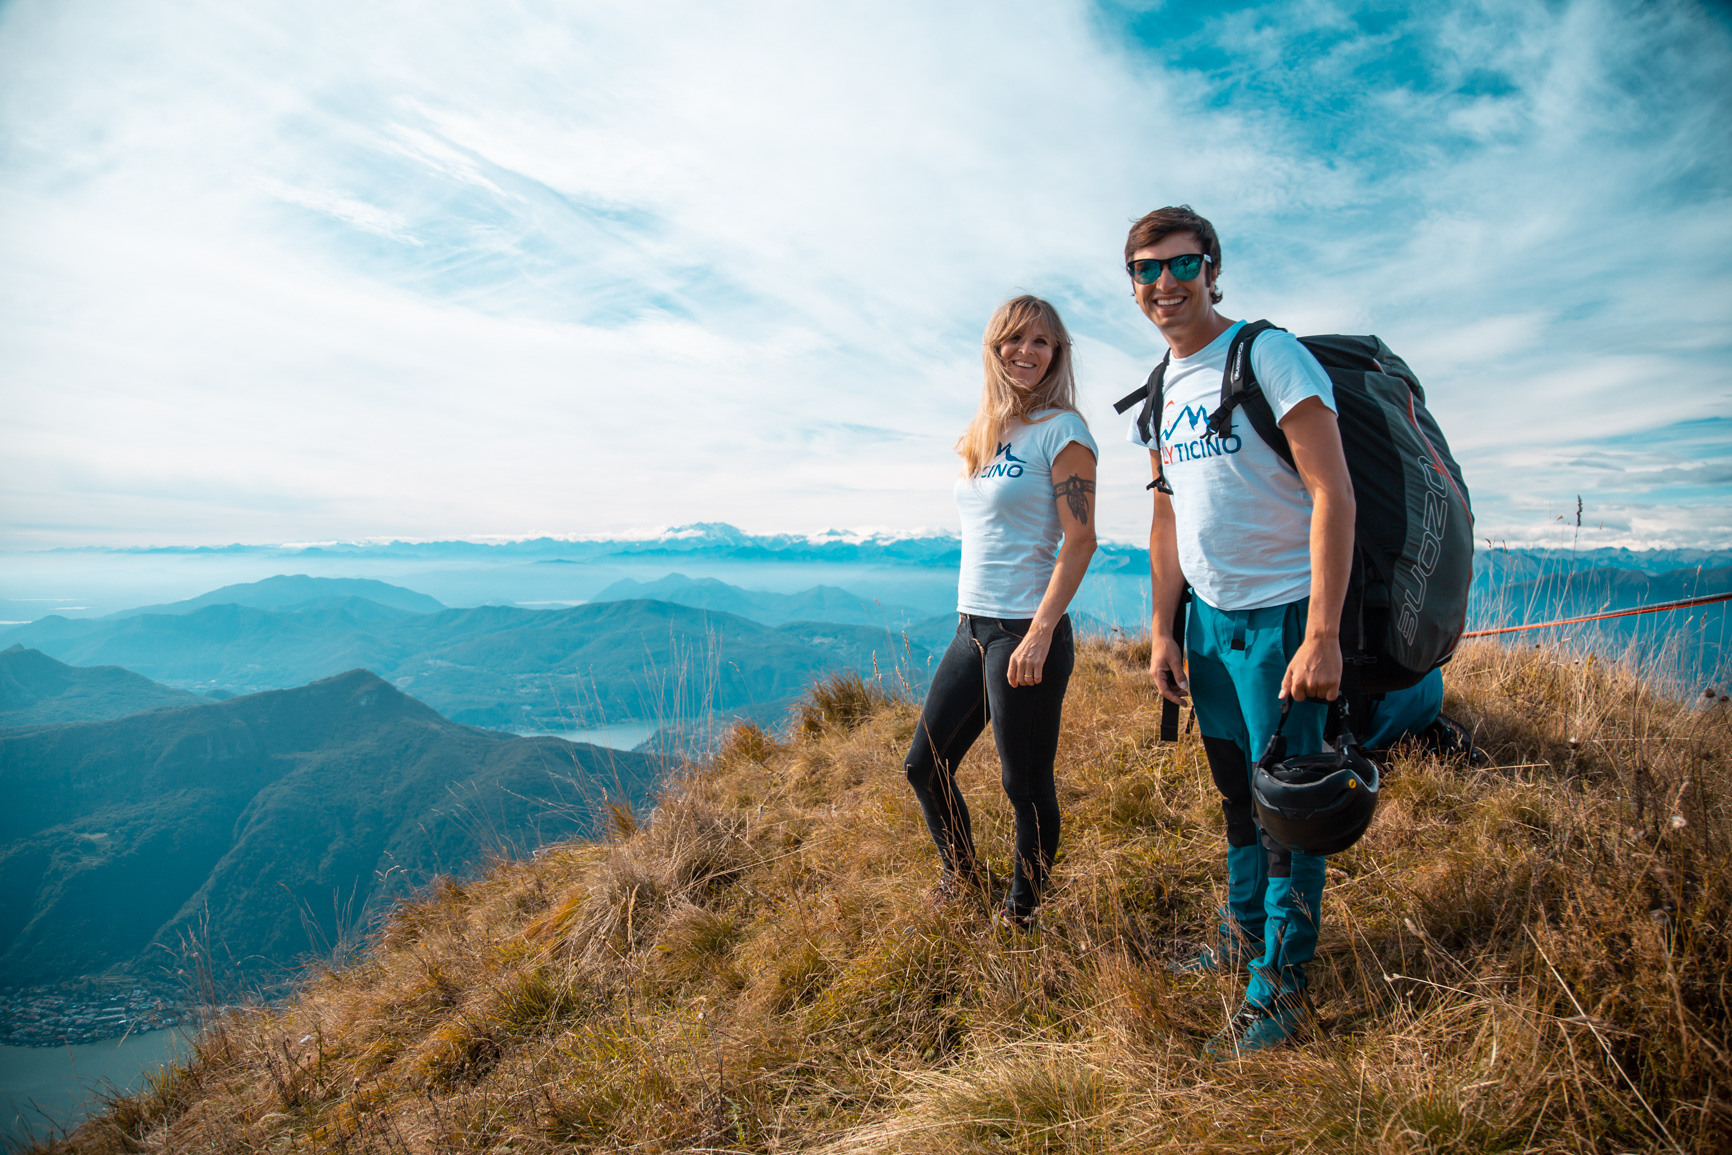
{"x":1175,"y":306}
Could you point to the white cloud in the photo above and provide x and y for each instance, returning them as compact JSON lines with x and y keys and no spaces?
{"x":325,"y":270}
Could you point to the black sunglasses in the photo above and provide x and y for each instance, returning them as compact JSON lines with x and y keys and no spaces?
{"x":1185,"y":268}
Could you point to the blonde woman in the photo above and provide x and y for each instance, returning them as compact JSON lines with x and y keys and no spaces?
{"x":1026,"y":497}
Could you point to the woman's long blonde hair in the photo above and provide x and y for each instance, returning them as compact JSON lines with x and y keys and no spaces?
{"x":1000,"y":399}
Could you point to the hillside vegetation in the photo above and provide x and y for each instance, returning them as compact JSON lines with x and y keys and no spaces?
{"x":1527,"y":957}
{"x":263,"y":827}
{"x":36,"y":690}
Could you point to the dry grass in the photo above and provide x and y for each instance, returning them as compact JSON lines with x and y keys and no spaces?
{"x":1532,"y":957}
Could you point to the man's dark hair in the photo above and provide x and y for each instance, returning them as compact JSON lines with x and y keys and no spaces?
{"x":1178,"y":219}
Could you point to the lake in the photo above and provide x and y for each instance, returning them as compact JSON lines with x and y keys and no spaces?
{"x":57,"y":1087}
{"x":621,"y":736}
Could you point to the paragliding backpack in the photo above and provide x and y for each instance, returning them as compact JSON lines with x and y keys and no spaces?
{"x":1406,"y":603}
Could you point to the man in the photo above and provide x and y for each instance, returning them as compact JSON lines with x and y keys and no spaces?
{"x":1266,"y":549}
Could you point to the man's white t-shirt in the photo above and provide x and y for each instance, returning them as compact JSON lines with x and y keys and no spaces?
{"x":1010,"y":525}
{"x":1242,"y":514}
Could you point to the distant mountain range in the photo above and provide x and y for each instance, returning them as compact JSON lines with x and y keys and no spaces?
{"x":699,"y":539}
{"x":819,"y":604}
{"x":1679,"y":649}
{"x":298,"y":591}
{"x":1604,"y":588}
{"x":720,"y":540}
{"x":498,"y":666}
{"x":36,"y":690}
{"x":267,"y":826}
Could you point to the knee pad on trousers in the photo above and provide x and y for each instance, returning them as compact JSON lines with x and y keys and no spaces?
{"x":1228,"y":767}
{"x":1280,"y":858}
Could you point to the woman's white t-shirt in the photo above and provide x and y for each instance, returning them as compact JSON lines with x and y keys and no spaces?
{"x":1243,"y":517}
{"x":1010,"y":526}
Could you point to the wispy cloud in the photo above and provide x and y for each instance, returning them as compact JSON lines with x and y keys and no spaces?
{"x":339,"y":271}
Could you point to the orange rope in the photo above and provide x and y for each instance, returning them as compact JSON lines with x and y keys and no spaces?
{"x":1707,"y":599}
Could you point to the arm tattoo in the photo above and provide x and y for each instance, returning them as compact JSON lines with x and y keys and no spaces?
{"x":1075,"y":491}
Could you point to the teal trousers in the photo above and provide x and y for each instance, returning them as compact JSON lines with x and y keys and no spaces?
{"x":1402,"y":713}
{"x":1274,"y":896}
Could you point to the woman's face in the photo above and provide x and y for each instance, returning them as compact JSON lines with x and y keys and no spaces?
{"x":1027,"y":354}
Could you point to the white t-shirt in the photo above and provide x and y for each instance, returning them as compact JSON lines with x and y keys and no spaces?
{"x":1242,"y":514}
{"x":1010,"y":526}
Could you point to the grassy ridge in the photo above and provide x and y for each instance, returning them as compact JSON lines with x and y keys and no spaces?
{"x":1526,"y":958}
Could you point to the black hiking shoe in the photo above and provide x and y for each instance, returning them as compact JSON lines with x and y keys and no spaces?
{"x":1447,"y":738}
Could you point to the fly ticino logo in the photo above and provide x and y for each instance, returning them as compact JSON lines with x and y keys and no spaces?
{"x":1181,"y":445}
{"x":1011,"y":466}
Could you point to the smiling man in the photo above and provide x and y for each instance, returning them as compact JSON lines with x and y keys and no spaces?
{"x":1265,"y":548}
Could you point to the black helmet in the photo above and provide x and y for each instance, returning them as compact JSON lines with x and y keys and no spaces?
{"x":1318,"y":803}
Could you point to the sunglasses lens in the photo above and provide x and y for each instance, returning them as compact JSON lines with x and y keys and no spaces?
{"x":1147,"y":272}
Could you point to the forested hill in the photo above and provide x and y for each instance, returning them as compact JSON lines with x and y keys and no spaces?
{"x":267,"y":826}
{"x":35,"y":690}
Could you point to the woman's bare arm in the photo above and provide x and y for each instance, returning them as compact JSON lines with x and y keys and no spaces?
{"x":1073,"y":489}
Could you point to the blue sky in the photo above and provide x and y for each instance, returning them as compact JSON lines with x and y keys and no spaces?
{"x":332,"y":271}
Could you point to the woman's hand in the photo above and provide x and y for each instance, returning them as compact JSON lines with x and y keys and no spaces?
{"x":1028,"y":660}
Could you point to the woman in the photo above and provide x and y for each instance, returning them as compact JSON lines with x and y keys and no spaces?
{"x":1026,"y":496}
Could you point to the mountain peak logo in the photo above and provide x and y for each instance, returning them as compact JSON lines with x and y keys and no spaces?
{"x":1195,"y":414}
{"x":1190,"y":447}
{"x":1011,"y":466}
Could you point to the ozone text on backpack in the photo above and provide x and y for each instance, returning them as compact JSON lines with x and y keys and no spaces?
{"x":1406,"y":602}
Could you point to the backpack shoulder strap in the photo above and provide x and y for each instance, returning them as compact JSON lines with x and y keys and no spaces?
{"x":1239,"y":390}
{"x":1148,"y":421}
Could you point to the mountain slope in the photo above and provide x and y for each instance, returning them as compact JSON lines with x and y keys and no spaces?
{"x":280,"y":821}
{"x":37,"y":690}
{"x":1530,"y":956}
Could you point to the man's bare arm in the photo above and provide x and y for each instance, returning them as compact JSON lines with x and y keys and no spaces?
{"x":1315,"y":438}
{"x":1166,"y":659}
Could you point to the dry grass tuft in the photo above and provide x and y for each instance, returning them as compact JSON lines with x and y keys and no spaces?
{"x":840,"y":704}
{"x":1531,"y":956}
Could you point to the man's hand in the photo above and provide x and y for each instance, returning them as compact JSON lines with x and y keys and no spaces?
{"x":1167,"y":668}
{"x":1315,"y":671}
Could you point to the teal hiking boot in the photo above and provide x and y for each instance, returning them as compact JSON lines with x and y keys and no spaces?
{"x":1253,"y":1028}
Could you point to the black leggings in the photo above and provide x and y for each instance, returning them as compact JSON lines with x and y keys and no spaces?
{"x":971,"y":687}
